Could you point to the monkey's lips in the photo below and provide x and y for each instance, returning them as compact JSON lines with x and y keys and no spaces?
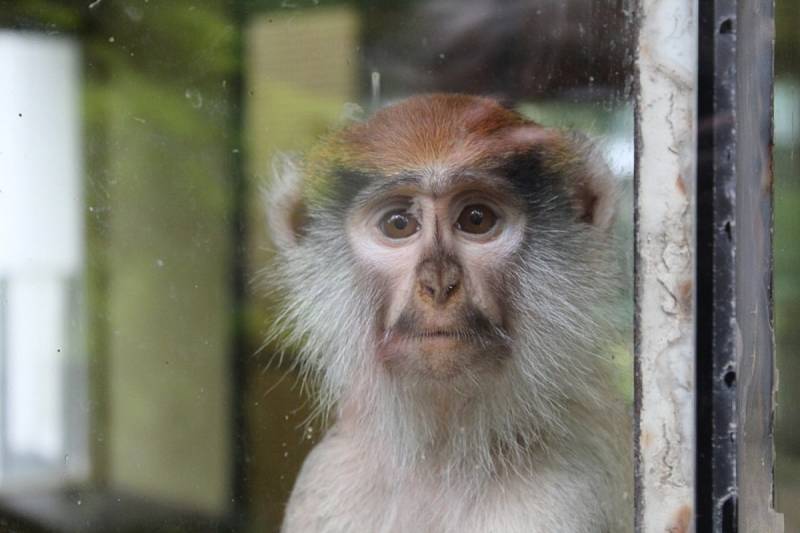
{"x":439,"y":339}
{"x":436,"y":334}
{"x":437,"y":353}
{"x":432,"y":338}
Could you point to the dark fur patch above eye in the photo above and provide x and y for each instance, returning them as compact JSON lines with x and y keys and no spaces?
{"x":347,"y":184}
{"x":529,"y":175}
{"x":352,"y":187}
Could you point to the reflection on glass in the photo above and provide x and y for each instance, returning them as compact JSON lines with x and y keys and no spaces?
{"x":43,"y":426}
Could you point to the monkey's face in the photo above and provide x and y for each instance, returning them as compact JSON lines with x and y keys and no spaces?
{"x":445,"y":236}
{"x":437,"y":245}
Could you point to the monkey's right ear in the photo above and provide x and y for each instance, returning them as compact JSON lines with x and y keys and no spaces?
{"x":284,"y":203}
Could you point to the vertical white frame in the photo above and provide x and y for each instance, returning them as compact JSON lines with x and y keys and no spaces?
{"x":666,"y":128}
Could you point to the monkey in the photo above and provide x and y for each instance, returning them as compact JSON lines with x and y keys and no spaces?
{"x":442,"y":267}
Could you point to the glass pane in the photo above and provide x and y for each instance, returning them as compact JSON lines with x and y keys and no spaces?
{"x":144,"y":384}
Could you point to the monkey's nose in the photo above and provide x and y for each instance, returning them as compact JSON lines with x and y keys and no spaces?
{"x":439,"y":294}
{"x":439,"y":281}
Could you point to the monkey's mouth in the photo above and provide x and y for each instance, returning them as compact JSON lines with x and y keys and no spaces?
{"x":403,"y":340}
{"x":441,"y":353}
{"x":394,"y":340}
{"x":435,"y":333}
{"x":419,"y":336}
{"x":439,"y":340}
{"x":436,"y":347}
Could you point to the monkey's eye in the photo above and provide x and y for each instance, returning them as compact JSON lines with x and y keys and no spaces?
{"x":476,"y":219}
{"x":399,"y":224}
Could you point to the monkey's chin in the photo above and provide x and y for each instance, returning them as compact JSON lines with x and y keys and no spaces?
{"x":440,"y":357}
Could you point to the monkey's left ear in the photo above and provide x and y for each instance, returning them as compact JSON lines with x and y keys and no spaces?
{"x":283,"y":200}
{"x":589,"y":181}
{"x":595,"y":191}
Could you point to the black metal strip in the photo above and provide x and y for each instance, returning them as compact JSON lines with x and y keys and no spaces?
{"x":716,"y":488}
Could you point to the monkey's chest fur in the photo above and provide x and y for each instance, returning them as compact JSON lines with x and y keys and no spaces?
{"x":343,"y":488}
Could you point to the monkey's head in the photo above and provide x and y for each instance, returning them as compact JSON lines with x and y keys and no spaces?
{"x":448,"y":244}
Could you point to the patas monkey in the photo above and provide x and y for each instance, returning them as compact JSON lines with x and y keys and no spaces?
{"x":442,"y":266}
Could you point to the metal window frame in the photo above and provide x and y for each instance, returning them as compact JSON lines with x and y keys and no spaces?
{"x":704,"y":362}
